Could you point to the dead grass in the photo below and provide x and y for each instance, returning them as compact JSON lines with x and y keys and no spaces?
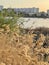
{"x":21,"y":50}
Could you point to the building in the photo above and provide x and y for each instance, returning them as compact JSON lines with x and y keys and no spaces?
{"x":48,"y":12}
{"x":38,"y":14}
{"x":27,"y":10}
{"x":34,"y":10}
{"x":1,"y":7}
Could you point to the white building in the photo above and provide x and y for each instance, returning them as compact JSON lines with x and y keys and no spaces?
{"x":27,"y":10}
{"x":38,"y":14}
{"x":34,"y":10}
{"x":1,"y":8}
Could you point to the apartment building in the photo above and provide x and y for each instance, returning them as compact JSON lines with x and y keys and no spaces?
{"x":1,"y":7}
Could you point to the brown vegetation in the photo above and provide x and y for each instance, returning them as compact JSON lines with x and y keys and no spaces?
{"x":26,"y":49}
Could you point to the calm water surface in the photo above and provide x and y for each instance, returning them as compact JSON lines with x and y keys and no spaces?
{"x":35,"y":22}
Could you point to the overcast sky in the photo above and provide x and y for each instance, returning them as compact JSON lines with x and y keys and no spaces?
{"x":42,"y":4}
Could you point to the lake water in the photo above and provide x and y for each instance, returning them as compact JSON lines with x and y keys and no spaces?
{"x":35,"y":22}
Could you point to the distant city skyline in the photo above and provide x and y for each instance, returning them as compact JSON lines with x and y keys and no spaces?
{"x":43,"y":5}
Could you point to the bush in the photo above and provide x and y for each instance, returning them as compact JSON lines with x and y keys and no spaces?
{"x":12,"y":23}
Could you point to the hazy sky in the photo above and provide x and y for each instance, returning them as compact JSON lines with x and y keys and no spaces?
{"x":42,"y":4}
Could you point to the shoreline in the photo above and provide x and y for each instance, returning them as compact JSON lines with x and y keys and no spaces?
{"x":35,"y":17}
